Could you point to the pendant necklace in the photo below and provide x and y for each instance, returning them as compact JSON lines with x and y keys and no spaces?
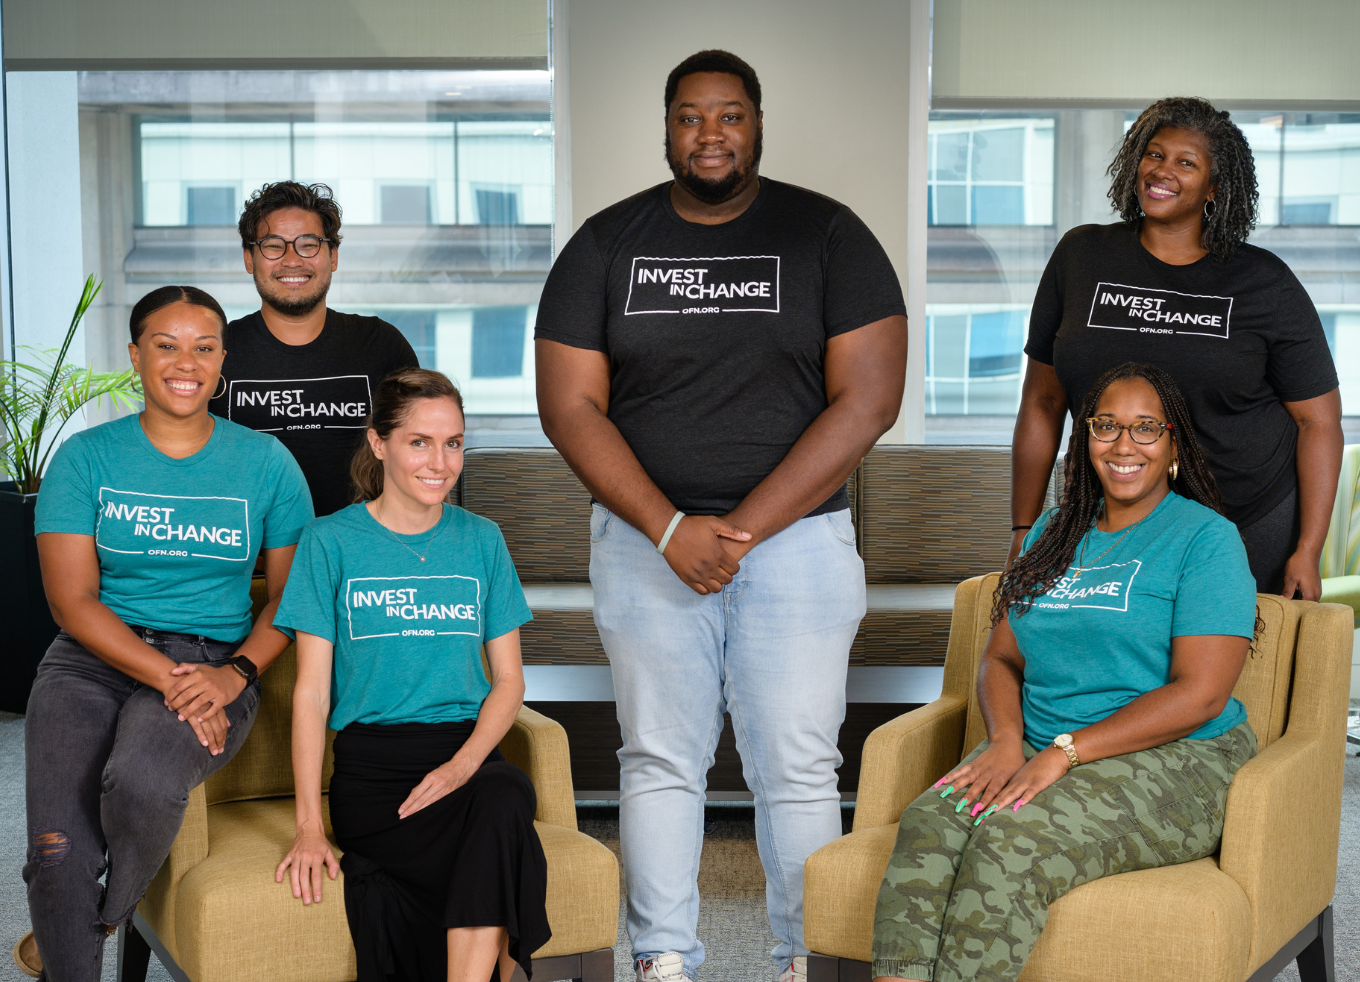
{"x":440,"y":528}
{"x":1081,"y":558}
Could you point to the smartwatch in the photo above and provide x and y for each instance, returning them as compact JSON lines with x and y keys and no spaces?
{"x":244,"y":667}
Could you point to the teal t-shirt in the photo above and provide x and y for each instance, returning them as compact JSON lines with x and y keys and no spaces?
{"x":408,"y":634}
{"x":176,"y":539}
{"x":1096,"y":642}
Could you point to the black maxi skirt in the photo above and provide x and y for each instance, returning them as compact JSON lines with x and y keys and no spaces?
{"x":471,"y":859}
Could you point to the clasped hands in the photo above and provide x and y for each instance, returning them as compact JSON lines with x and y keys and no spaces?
{"x":705,"y":551}
{"x":199,"y":694}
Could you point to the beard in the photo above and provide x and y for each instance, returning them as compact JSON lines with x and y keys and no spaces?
{"x":293,"y":306}
{"x":714,"y":191}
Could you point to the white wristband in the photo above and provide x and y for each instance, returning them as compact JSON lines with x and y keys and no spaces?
{"x":670,"y":529}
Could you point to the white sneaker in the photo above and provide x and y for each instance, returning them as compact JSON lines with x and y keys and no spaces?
{"x":796,"y":972}
{"x":665,"y":967}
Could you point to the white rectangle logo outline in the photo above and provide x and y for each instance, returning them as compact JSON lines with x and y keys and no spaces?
{"x":778,"y":283}
{"x":349,"y":609}
{"x":368,"y":388}
{"x":1090,"y":315}
{"x":178,"y":497}
{"x":1138,"y":563}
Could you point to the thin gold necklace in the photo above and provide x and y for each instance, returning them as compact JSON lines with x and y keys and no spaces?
{"x":438,"y":526}
{"x":1081,"y":558}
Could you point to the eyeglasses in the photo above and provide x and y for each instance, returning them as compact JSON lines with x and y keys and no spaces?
{"x":274,"y":246}
{"x":1144,"y":431}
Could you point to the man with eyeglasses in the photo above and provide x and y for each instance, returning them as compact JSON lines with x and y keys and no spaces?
{"x":296,"y":368}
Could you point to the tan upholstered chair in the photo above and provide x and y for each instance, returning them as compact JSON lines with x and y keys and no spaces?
{"x":215,"y":914}
{"x":1263,"y":901}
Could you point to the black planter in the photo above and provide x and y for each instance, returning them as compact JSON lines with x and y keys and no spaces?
{"x":26,"y":625}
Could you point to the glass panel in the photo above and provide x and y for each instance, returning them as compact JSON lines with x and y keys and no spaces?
{"x":445,"y":179}
{"x":999,"y":154}
{"x":992,"y":178}
{"x":498,"y":342}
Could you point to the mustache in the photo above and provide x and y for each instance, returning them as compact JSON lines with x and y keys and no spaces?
{"x":713,"y":191}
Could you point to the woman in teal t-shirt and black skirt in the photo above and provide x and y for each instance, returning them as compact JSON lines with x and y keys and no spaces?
{"x":1106,"y":687}
{"x":148,"y":531}
{"x":392,"y":600}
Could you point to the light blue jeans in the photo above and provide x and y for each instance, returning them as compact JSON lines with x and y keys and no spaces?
{"x":771,"y":650}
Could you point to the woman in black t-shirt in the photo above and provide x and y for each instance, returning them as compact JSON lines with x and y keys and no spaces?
{"x":1176,"y":285}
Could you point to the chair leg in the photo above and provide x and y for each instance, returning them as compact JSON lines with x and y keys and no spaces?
{"x":1317,"y":962}
{"x":598,"y":965}
{"x":134,"y":954}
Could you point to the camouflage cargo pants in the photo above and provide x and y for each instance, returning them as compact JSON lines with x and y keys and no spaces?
{"x":963,"y":902}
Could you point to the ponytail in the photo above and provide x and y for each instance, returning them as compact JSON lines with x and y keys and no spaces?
{"x":391,"y":406}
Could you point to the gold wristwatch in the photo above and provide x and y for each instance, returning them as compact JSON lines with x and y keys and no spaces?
{"x":1063,"y":741}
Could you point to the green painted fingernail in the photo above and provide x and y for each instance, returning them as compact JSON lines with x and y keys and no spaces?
{"x":961,"y":806}
{"x":978,"y":821}
{"x":947,"y":791}
{"x":990,"y":810}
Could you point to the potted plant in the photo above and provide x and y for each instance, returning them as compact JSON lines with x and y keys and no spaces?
{"x":37,"y":399}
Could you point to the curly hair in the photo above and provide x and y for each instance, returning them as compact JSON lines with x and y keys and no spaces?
{"x":1232,"y":170}
{"x":1034,"y":573}
{"x":316,"y":198}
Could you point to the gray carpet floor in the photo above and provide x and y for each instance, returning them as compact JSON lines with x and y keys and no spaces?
{"x":731,"y":917}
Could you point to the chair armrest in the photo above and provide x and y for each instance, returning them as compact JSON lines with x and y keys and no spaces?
{"x":1283,"y":819}
{"x":538,"y":746}
{"x":904,"y":756}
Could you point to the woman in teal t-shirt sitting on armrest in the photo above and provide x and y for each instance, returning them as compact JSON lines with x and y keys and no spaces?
{"x":1106,"y":687}
{"x":148,"y":530}
{"x":392,"y":600}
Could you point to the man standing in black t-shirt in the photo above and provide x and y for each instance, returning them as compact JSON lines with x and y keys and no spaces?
{"x":296,"y":368}
{"x":715,"y":356}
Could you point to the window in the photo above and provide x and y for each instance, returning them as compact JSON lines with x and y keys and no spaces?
{"x":208,"y":205}
{"x":445,"y":179}
{"x":986,"y":171}
{"x":404,"y":204}
{"x":498,"y":342}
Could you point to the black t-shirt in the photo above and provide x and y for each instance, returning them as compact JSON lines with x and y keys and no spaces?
{"x":716,"y":334}
{"x":1240,"y":337}
{"x":314,"y":397}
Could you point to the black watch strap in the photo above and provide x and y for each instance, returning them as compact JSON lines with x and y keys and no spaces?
{"x":245,"y":667}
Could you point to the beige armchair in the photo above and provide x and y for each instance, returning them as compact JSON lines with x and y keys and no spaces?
{"x":214,"y":913}
{"x":1244,"y":914}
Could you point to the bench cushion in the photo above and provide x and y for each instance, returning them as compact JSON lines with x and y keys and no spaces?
{"x":906,"y":624}
{"x":563,"y":629}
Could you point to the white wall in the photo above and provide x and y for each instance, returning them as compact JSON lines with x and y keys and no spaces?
{"x":45,"y":215}
{"x":835,"y":97}
{"x":109,"y":34}
{"x":1236,"y":51}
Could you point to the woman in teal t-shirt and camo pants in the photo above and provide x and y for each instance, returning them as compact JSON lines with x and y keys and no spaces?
{"x":148,"y":531}
{"x":392,"y":600}
{"x":1106,"y":687}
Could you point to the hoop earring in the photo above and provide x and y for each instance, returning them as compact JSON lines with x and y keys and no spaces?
{"x":1209,"y":209}
{"x":1175,"y":468}
{"x":220,"y":394}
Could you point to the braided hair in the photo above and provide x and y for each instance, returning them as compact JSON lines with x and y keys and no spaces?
{"x":1232,"y":169}
{"x":1047,"y":560}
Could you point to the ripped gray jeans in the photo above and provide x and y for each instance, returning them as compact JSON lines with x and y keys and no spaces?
{"x":109,"y":770}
